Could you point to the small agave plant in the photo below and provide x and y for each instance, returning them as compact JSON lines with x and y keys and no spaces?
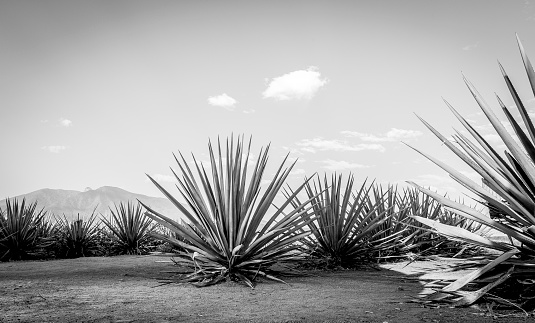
{"x":508,"y":190}
{"x":129,"y":228}
{"x":231,"y":230}
{"x":77,"y":237}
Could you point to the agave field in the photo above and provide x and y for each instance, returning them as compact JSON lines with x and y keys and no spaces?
{"x":29,"y":233}
{"x":242,"y":228}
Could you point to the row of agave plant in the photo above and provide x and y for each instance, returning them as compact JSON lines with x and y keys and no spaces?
{"x":29,"y":233}
{"x":233,"y":230}
{"x":347,"y":228}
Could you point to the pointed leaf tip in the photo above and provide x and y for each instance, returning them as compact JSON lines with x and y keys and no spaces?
{"x":502,"y":69}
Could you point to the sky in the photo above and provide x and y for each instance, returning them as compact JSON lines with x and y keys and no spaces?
{"x":100,"y":93}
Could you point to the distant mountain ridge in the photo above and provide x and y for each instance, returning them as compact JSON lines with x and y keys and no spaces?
{"x":71,"y":203}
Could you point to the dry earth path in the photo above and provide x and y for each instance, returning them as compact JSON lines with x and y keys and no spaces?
{"x":125,"y":289}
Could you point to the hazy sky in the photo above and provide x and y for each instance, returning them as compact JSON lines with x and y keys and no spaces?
{"x":96,"y":93}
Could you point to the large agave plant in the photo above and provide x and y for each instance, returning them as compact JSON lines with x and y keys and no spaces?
{"x":231,"y":230}
{"x":23,"y":231}
{"x":508,"y":189}
{"x":350,"y":227}
{"x":129,"y":228}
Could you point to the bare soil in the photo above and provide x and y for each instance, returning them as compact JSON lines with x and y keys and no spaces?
{"x":126,"y":289}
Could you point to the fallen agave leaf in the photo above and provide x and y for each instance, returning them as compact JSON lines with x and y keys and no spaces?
{"x":470,"y":297}
{"x":456,"y":285}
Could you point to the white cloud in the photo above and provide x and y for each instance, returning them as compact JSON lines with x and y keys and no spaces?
{"x":393,"y":134}
{"x":483,"y":127}
{"x":433,"y":178}
{"x":65,"y":122}
{"x":471,"y":46}
{"x":318,"y":143}
{"x":295,"y":159}
{"x":223,"y":100}
{"x":297,"y":85}
{"x":492,"y":137}
{"x":163,"y":178}
{"x":293,"y":151}
{"x":297,"y":171}
{"x":54,"y":149}
{"x":444,"y":184}
{"x":308,"y":149}
{"x":251,"y":161}
{"x":439,"y":183}
{"x":335,"y":165}
{"x":487,"y":127}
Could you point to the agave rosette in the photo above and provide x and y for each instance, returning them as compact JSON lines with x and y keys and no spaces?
{"x":24,"y":231}
{"x":230,"y":228}
{"x":508,"y":183}
{"x":129,"y":228}
{"x":78,"y":237}
{"x":350,"y":227}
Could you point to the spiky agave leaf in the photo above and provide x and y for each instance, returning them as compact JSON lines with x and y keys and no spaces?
{"x":129,"y":227}
{"x":21,"y":234}
{"x":231,"y":230}
{"x":510,"y":176}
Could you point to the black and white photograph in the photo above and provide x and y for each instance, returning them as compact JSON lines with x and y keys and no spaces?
{"x":267,"y":161}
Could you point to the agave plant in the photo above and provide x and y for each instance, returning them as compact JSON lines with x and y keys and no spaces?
{"x":392,"y":204}
{"x":508,"y":188}
{"x":416,"y":239}
{"x":421,"y":240}
{"x":350,"y":228}
{"x":129,"y":228}
{"x":77,"y":238}
{"x":22,"y":230}
{"x":231,"y":231}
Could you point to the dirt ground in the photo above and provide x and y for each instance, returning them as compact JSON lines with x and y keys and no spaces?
{"x":126,"y":289}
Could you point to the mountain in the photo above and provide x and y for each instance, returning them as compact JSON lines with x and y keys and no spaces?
{"x":72,"y":203}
